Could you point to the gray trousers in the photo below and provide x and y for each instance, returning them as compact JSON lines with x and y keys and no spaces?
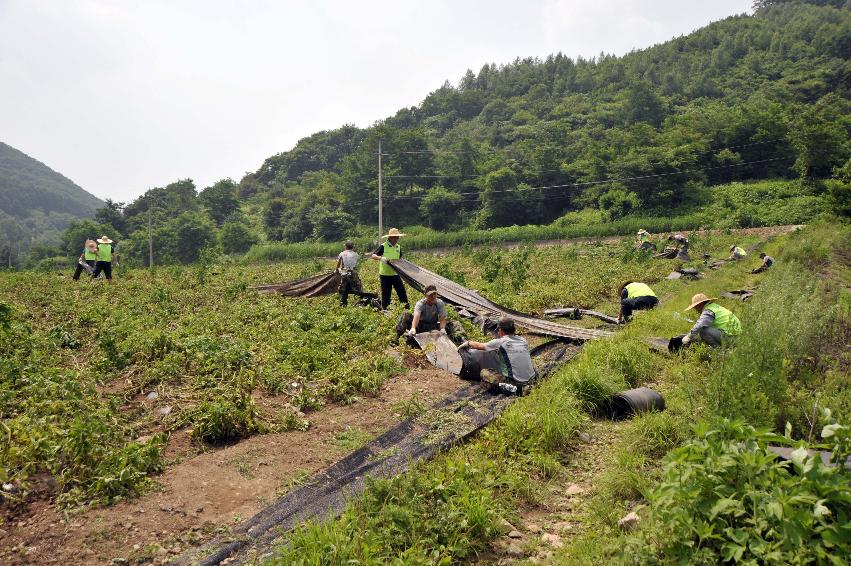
{"x":712,"y":336}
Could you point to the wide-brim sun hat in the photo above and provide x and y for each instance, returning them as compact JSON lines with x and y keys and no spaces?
{"x":699,"y":299}
{"x":104,"y":240}
{"x":393,"y":233}
{"x":732,"y":248}
{"x":91,"y":246}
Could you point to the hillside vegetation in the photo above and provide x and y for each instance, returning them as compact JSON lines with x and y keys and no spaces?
{"x":744,"y":122}
{"x":36,"y":202}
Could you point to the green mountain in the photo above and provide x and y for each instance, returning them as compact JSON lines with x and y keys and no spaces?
{"x":744,"y":122}
{"x":36,"y":202}
{"x":749,"y":97}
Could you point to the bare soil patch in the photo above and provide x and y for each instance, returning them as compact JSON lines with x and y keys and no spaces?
{"x":206,"y":490}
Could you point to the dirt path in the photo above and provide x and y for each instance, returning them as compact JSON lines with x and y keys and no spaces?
{"x":560,"y":514}
{"x":204,"y":494}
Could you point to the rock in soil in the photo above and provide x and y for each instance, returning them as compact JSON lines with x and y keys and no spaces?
{"x":514,"y":550}
{"x":552,"y":540}
{"x":533,"y":528}
{"x":515,"y":534}
{"x":574,"y":489}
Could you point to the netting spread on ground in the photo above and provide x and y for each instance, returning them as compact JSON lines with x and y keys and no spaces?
{"x":454,"y":418}
{"x":450,"y":291}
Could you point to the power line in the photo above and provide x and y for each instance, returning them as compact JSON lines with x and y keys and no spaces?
{"x":592,"y":183}
{"x":544,"y":171}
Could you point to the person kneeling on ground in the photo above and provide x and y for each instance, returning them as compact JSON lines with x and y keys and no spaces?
{"x":644,"y":240}
{"x":429,"y":314}
{"x":635,"y":296}
{"x":506,"y":362}
{"x":737,"y":253}
{"x":767,"y":261}
{"x":716,"y":324}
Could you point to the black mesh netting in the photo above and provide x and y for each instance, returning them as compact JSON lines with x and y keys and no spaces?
{"x":454,"y":418}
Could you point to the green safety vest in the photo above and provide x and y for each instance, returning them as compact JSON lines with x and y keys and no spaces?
{"x":740,"y":251}
{"x":89,"y":256}
{"x":634,"y":290}
{"x":105,"y":252}
{"x":725,"y":321}
{"x":645,"y":237}
{"x":391,"y":253}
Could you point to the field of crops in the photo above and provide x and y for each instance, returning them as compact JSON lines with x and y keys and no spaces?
{"x":102,"y":384}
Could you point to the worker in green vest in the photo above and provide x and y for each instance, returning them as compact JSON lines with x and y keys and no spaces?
{"x":715,"y":325}
{"x":385,"y":253}
{"x":635,"y":296}
{"x":737,"y":253}
{"x":87,"y":259}
{"x":104,"y":258}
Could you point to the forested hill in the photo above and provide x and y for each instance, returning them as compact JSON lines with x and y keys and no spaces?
{"x":36,"y":200}
{"x":668,"y":131}
{"x":771,"y":88}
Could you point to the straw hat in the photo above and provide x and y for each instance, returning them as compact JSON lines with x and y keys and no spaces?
{"x":91,"y":246}
{"x":733,"y":247}
{"x":393,"y":233}
{"x":430,"y":290}
{"x":104,"y":240}
{"x":643,"y":231}
{"x":700,"y":299}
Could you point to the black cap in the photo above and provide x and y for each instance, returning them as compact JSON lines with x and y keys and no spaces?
{"x":506,"y":325}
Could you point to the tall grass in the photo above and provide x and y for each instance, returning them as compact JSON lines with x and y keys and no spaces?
{"x":797,"y":318}
{"x":420,"y":238}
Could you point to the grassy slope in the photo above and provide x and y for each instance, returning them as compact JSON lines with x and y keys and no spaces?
{"x":451,"y":508}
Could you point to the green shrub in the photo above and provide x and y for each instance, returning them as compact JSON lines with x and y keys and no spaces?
{"x":725,"y":498}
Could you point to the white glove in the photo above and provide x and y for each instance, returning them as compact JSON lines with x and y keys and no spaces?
{"x":686,"y":339}
{"x":463,"y":345}
{"x":443,"y":331}
{"x":383,"y":259}
{"x":411,"y":332}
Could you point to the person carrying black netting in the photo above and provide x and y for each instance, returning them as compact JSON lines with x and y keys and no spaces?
{"x":87,"y":260}
{"x":385,"y":253}
{"x":347,"y":267}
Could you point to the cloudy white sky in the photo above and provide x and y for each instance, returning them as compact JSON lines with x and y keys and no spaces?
{"x":121,"y":96}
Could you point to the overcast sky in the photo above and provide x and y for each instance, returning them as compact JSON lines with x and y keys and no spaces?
{"x":121,"y":96}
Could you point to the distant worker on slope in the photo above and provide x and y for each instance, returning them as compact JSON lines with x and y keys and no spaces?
{"x":737,"y":253}
{"x":506,"y":361}
{"x":429,"y":314}
{"x":644,"y":240}
{"x":635,"y":296}
{"x":104,"y":258}
{"x":680,"y":244}
{"x":390,"y":280}
{"x":347,"y":264}
{"x":87,"y":259}
{"x":767,"y":261}
{"x":715,"y":326}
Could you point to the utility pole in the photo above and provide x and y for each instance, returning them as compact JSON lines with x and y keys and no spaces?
{"x":380,"y":189}
{"x":150,"y":238}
